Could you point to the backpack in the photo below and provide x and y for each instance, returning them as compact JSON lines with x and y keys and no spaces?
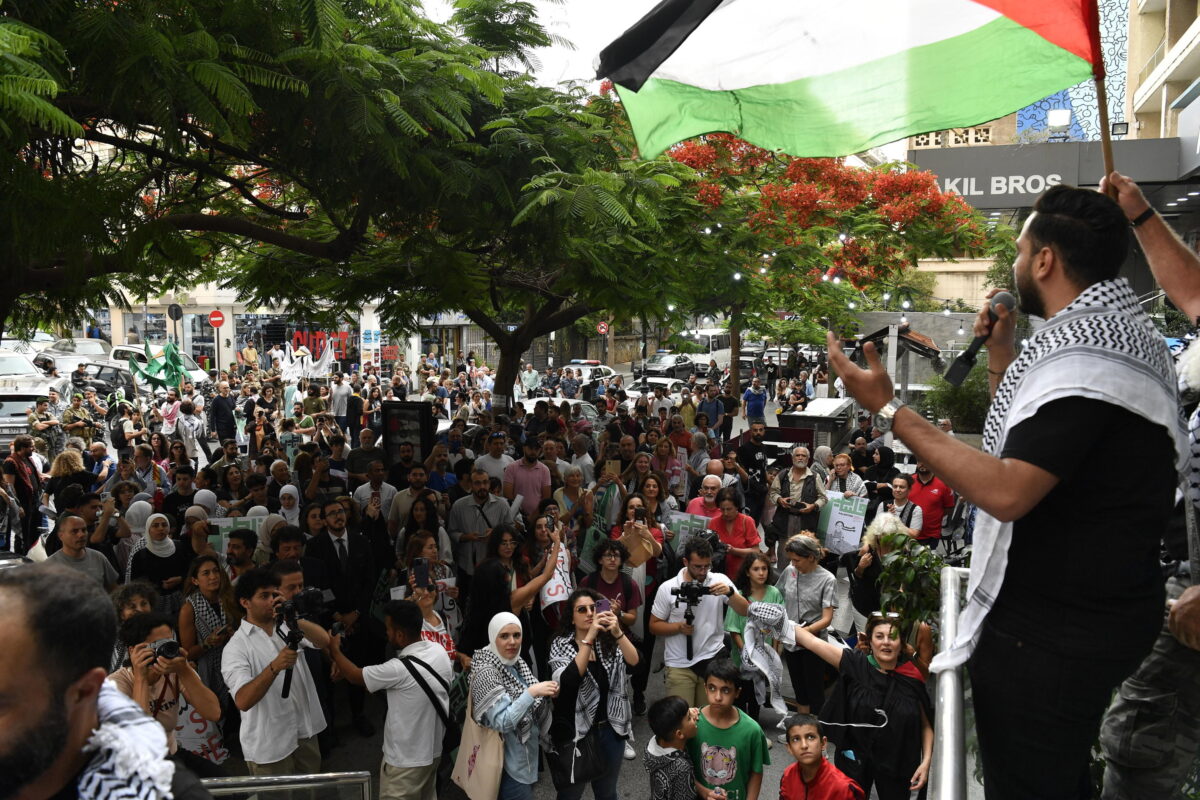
{"x":116,"y":432}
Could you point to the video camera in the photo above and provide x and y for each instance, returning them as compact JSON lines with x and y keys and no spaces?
{"x":308,"y":603}
{"x":690,"y":593}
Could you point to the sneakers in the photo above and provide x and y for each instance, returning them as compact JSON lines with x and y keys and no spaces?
{"x":781,"y":738}
{"x":630,"y":755}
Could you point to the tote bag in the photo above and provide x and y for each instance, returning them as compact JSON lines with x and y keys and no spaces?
{"x":480,"y":761}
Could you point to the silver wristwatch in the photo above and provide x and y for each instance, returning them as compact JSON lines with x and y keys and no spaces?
{"x":884,"y":416}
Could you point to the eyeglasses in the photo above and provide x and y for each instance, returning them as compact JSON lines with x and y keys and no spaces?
{"x":585,"y":609}
{"x":611,"y":555}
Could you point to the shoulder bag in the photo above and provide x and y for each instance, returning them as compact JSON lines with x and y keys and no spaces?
{"x":480,"y":762}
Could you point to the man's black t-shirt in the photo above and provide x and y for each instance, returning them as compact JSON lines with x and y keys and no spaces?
{"x":753,"y":458}
{"x":1083,"y":572}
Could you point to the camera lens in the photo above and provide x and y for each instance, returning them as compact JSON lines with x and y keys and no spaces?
{"x":167,"y":648}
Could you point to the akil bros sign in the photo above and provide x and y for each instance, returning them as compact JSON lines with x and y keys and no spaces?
{"x":1012,"y":176}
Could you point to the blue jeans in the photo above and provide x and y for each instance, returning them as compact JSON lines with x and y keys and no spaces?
{"x":514,"y":790}
{"x":612,"y":750}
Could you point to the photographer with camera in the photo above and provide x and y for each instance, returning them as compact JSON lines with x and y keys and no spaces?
{"x":157,"y":674}
{"x":278,"y":733}
{"x":689,"y":613}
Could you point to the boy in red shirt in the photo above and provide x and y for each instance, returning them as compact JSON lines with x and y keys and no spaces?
{"x":812,"y":777}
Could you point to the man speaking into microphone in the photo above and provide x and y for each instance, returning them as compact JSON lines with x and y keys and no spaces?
{"x":1065,"y":595}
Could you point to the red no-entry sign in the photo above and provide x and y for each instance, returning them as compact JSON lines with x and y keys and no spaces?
{"x":216,"y":319}
{"x":602,"y":328}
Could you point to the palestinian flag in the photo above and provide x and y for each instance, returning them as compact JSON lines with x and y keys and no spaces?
{"x":830,"y":79}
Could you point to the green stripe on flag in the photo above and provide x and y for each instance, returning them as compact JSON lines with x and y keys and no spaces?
{"x":965,"y":80}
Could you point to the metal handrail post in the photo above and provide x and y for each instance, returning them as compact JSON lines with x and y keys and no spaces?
{"x":948,"y":775}
{"x":269,"y":785}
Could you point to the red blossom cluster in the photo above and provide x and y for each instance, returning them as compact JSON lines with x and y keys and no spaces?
{"x":606,"y":86}
{"x":709,"y":194}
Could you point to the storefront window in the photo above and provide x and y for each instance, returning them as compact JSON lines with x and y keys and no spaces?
{"x":151,"y":328}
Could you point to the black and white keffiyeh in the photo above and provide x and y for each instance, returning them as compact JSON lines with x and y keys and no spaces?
{"x":562,"y":656}
{"x":130,"y":747}
{"x":764,"y":622}
{"x":491,"y":679}
{"x":1102,"y":346}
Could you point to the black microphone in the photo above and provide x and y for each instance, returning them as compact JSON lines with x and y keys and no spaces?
{"x":962,"y":365}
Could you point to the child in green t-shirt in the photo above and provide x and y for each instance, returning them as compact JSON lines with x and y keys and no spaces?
{"x":755,"y":581}
{"x":729,"y":749}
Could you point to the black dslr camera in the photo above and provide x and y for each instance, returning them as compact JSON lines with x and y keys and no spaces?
{"x":166,"y":648}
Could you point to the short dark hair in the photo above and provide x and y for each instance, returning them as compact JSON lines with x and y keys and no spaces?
{"x":697,"y":546}
{"x":728,"y":493}
{"x":250,"y":582}
{"x":248,"y":538}
{"x":723,"y":670}
{"x":666,"y":716}
{"x":286,"y":533}
{"x":135,"y":629}
{"x":606,"y":546}
{"x":185,"y":469}
{"x":71,"y":619}
{"x":255,"y":481}
{"x":209,"y":473}
{"x":908,"y":479}
{"x":1086,"y":229}
{"x":802,"y":721}
{"x":288,"y":566}
{"x":406,"y":616}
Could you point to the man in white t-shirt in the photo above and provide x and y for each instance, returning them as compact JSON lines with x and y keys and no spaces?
{"x":582,"y":459}
{"x":278,"y":734}
{"x":495,"y":460}
{"x":412,"y":734}
{"x":685,"y":676}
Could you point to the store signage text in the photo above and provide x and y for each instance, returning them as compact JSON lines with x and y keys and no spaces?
{"x":1001,"y":184}
{"x":316,"y":341}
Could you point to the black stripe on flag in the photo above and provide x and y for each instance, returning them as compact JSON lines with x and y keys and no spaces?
{"x":632,"y":57}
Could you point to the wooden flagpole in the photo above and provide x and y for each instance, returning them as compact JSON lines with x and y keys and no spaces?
{"x":1101,"y":95}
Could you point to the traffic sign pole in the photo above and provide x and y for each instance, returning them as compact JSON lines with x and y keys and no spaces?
{"x":216,"y":319}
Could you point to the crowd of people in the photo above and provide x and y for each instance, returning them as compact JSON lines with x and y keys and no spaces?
{"x":531,"y":550}
{"x":506,"y":589}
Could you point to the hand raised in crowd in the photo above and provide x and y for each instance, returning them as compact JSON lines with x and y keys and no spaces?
{"x":608,"y":621}
{"x":544,"y":689}
{"x":719,"y":589}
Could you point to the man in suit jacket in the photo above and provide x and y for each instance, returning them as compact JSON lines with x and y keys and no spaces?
{"x":351,"y":565}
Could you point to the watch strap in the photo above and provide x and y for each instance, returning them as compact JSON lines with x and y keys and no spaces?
{"x":1142,"y":217}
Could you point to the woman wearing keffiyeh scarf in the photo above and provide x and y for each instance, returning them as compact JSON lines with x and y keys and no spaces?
{"x":506,"y":697}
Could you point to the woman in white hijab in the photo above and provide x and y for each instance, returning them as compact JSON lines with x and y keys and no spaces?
{"x":161,"y":564}
{"x":136,"y":518}
{"x":505,"y":697}
{"x":289,"y":504}
{"x":207,"y":499}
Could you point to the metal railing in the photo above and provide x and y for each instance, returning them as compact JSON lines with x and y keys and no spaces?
{"x":948,"y":775}
{"x":1155,"y":59}
{"x":342,"y":785}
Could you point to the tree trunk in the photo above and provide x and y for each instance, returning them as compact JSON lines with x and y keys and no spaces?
{"x":508,"y":369}
{"x":735,"y":350}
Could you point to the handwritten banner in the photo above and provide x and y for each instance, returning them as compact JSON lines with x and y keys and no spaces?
{"x":559,"y":586}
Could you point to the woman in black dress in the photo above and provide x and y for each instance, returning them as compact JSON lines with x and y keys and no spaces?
{"x":161,"y":564}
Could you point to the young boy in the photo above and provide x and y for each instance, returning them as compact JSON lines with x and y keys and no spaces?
{"x":729,"y":750}
{"x":812,"y":777}
{"x":673,"y":723}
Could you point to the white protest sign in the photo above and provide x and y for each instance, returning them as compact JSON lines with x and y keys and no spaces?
{"x":841,"y":522}
{"x":560,"y":583}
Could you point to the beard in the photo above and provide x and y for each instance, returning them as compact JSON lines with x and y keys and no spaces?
{"x":1029,"y":299}
{"x":35,"y":749}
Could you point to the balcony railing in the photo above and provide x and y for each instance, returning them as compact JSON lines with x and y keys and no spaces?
{"x":1160,"y":53}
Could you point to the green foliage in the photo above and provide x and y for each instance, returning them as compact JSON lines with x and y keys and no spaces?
{"x":967,"y":405}
{"x":911,"y":580}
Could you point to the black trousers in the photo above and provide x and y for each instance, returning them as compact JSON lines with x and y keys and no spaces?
{"x":1037,"y":714}
{"x":807,"y":671}
{"x":887,"y":787}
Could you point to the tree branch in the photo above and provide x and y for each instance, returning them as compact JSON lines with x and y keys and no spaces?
{"x":336,"y":249}
{"x":489,"y":325}
{"x":197,"y":166}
